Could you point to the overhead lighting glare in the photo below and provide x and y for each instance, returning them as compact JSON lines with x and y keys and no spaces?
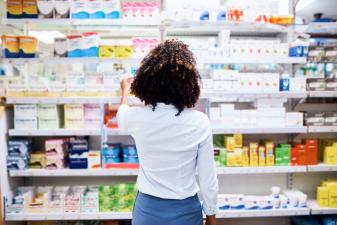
{"x":302,"y":4}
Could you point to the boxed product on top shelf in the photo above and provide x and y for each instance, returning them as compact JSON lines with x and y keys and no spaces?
{"x":72,"y":199}
{"x":51,"y":116}
{"x":290,"y":199}
{"x":238,"y":11}
{"x":327,"y":193}
{"x":257,"y":48}
{"x":329,"y":151}
{"x":82,"y":9}
{"x":321,"y":118}
{"x":233,"y":153}
{"x":323,"y":50}
{"x":268,"y":113}
{"x":60,"y":153}
{"x":235,"y":81}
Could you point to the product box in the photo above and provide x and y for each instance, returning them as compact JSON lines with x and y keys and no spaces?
{"x":25,"y":123}
{"x":56,"y":203}
{"x":245,"y":156}
{"x":107,"y":49}
{"x":37,"y":160}
{"x":330,"y":155}
{"x":316,"y":84}
{"x":89,"y":200}
{"x":25,"y":111}
{"x":38,"y":202}
{"x":262,"y":156}
{"x":56,"y":147}
{"x":74,"y":45}
{"x":253,"y":154}
{"x":294,"y":161}
{"x":323,"y":196}
{"x":29,"y":9}
{"x":95,"y":9}
{"x":10,"y":45}
{"x":294,"y":119}
{"x":331,"y":84}
{"x":298,"y":84}
{"x":62,"y":9}
{"x":123,"y":49}
{"x":94,"y":159}
{"x":45,"y":8}
{"x":54,"y":162}
{"x":111,"y":9}
{"x":27,"y":46}
{"x":330,"y":119}
{"x":74,"y":116}
{"x":14,"y":9}
{"x":60,"y":47}
{"x":270,"y":156}
{"x":72,"y":201}
{"x":238,"y":140}
{"x":230,"y":143}
{"x":19,"y":147}
{"x":90,"y":43}
{"x":315,"y":118}
{"x":79,"y":9}
{"x":17,"y":163}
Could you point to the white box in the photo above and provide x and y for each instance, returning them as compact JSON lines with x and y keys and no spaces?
{"x":207,"y":83}
{"x":270,"y":122}
{"x":271,"y":112}
{"x":25,"y":111}
{"x":271,"y":82}
{"x":94,"y":160}
{"x":47,"y":111}
{"x":270,"y":103}
{"x":25,"y":123}
{"x":294,"y":119}
{"x":298,"y":84}
{"x":227,"y":110}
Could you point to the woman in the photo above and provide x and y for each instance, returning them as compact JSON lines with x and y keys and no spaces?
{"x":174,"y":141}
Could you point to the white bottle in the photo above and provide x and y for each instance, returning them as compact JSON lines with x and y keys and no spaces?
{"x":61,"y":8}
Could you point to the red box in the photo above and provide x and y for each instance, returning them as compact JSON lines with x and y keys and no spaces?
{"x":294,"y":157}
{"x":312,"y":155}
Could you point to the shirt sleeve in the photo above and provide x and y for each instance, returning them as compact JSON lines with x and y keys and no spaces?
{"x":122,"y":116}
{"x":208,"y":180}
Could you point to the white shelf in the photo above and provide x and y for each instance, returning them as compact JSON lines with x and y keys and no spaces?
{"x":84,"y":22}
{"x":207,"y":27}
{"x":323,"y":94}
{"x":220,"y":94}
{"x":69,"y":60}
{"x":128,"y":215}
{"x":252,"y":130}
{"x":59,"y":132}
{"x":263,"y":213}
{"x":253,"y":60}
{"x":68,"y":216}
{"x":69,"y":100}
{"x":72,"y":172}
{"x":322,"y":168}
{"x":318,"y":210}
{"x":261,"y":169}
{"x":322,"y":129}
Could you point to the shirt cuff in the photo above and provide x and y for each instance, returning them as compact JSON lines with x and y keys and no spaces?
{"x":209,"y":210}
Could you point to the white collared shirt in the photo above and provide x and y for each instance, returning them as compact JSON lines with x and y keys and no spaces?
{"x":172,"y":149}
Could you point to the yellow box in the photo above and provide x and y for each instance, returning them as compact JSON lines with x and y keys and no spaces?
{"x":27,"y":45}
{"x":234,"y":158}
{"x":229,"y":143}
{"x":230,"y":159}
{"x":262,"y":156}
{"x":37,"y":160}
{"x":29,"y":7}
{"x":14,"y":8}
{"x":73,"y":111}
{"x":106,"y":51}
{"x":123,"y":51}
{"x":333,"y":195}
{"x":330,"y":155}
{"x":253,"y":154}
{"x":323,"y":196}
{"x":10,"y":45}
{"x":74,"y":123}
{"x":238,"y":140}
{"x":245,"y":156}
{"x":270,"y":155}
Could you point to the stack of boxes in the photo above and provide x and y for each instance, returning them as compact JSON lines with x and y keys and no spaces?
{"x":78,"y":154}
{"x":56,"y":153}
{"x":37,"y":160}
{"x":327,"y":194}
{"x":89,"y":200}
{"x":92,"y":116}
{"x":18,"y":154}
{"x":268,"y":154}
{"x":329,"y":152}
{"x":49,"y":116}
{"x":72,"y":200}
{"x":73,"y":116}
{"x":117,"y":198}
{"x":113,"y":154}
{"x":268,"y":113}
{"x":321,"y":118}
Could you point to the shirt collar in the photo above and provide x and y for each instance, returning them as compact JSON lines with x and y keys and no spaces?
{"x":165,"y":106}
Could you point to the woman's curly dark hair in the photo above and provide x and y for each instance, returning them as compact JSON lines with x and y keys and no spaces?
{"x":168,"y":74}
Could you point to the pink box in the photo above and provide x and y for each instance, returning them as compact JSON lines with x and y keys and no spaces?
{"x":92,"y":123}
{"x":92,"y":111}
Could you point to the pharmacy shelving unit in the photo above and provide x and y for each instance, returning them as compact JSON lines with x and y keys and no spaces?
{"x":239,"y":177}
{"x":319,"y":210}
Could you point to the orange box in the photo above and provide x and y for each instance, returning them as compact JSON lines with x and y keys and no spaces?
{"x":294,"y":156}
{"x":312,"y":155}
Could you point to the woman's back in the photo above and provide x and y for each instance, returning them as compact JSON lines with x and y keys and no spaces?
{"x":167,"y":147}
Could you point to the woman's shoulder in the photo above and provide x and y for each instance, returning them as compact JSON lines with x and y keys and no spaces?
{"x":200,"y":117}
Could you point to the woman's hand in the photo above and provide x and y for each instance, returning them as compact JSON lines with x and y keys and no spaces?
{"x":125,"y":89}
{"x":126,"y":85}
{"x":210,"y":220}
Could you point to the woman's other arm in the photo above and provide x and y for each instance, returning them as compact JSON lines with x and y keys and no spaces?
{"x":125,"y":89}
{"x":208,"y":178}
